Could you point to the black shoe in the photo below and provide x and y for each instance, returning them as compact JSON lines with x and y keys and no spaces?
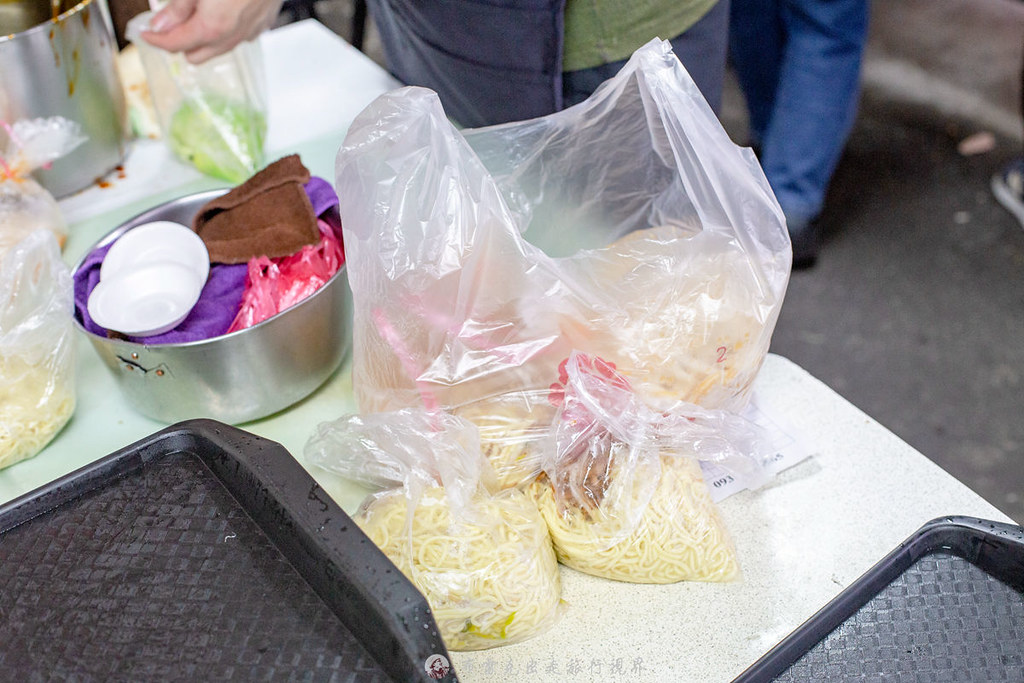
{"x":806,"y":238}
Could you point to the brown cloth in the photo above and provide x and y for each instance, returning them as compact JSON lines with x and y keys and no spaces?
{"x":268,"y":215}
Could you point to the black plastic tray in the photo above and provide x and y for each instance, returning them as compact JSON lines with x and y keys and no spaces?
{"x":947,"y":605}
{"x":201,"y":553}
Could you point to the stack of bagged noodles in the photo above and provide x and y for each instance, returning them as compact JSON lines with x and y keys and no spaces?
{"x":37,"y":354}
{"x":594,"y":290}
{"x":599,"y":482}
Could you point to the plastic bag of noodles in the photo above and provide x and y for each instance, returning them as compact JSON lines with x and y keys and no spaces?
{"x":483,"y":560}
{"x":630,"y":227}
{"x":622,"y":490}
{"x":37,"y":346}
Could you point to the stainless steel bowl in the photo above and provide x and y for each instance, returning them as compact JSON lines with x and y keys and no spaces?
{"x":235,"y":377}
{"x":62,"y":62}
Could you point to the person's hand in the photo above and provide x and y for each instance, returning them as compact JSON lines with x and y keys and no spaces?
{"x":202,"y":29}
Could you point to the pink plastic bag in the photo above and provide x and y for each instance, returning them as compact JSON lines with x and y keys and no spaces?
{"x":275,"y":284}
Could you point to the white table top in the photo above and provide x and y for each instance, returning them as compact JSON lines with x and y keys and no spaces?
{"x":800,"y":540}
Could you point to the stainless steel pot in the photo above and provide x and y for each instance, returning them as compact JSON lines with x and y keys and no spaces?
{"x":60,"y":61}
{"x":235,"y":377}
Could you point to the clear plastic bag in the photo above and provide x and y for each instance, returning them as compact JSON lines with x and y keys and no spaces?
{"x":483,"y":560}
{"x":37,"y":350}
{"x":213,"y":115}
{"x":25,"y":205}
{"x":629,"y":227}
{"x":623,"y":493}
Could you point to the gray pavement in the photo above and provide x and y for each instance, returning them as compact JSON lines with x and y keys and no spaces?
{"x":915,"y":309}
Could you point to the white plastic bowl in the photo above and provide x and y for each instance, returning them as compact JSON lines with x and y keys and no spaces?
{"x":145,"y":301}
{"x":157,"y":242}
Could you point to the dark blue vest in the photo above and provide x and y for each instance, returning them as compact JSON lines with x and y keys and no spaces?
{"x":489,"y":62}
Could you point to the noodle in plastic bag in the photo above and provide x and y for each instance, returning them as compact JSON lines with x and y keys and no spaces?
{"x":512,"y":429}
{"x":622,"y":490}
{"x":37,"y":350}
{"x":628,"y":227}
{"x":483,"y":560}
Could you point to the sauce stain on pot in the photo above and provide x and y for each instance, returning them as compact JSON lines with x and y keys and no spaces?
{"x":60,"y":61}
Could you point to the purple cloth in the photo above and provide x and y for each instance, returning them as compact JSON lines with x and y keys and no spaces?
{"x":321,"y":195}
{"x":325,"y":203}
{"x":211,"y":316}
{"x":221,"y":296}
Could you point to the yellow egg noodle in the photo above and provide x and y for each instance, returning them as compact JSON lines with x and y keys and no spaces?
{"x":490,"y":576}
{"x":37,"y":368}
{"x":511,"y":428}
{"x":699,"y":334}
{"x":631,"y":534}
{"x":35,"y":403}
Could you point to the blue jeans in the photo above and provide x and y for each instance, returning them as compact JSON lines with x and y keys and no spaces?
{"x":798,"y":64}
{"x":701,"y":49}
